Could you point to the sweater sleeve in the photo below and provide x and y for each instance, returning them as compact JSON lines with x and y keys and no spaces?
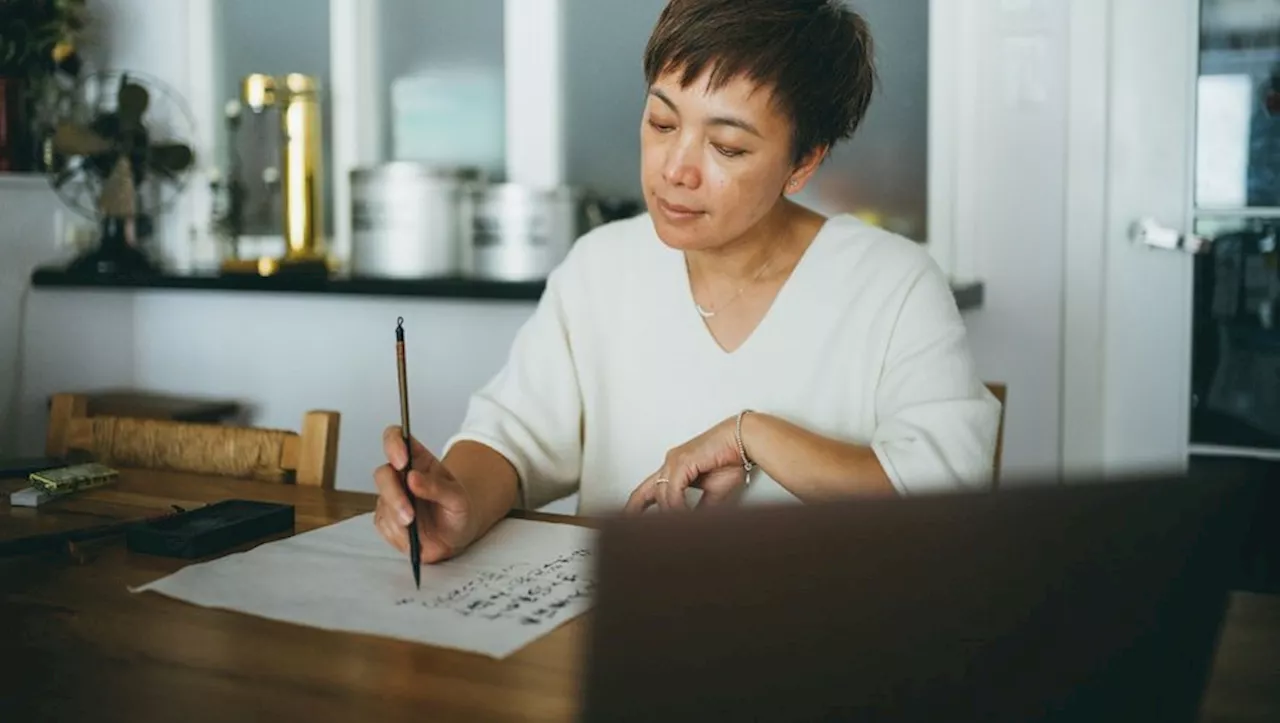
{"x":530,"y":412}
{"x":937,"y":422}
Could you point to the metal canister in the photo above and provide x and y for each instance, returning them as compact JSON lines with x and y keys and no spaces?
{"x":303,"y":176}
{"x":519,"y":233}
{"x":409,"y":220}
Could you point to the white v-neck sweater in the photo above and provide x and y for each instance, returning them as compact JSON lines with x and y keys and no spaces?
{"x":863,"y":343}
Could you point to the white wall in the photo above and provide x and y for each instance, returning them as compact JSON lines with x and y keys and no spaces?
{"x":285,"y":354}
{"x":279,"y":354}
{"x":49,"y":341}
{"x":72,"y":342}
{"x":1017,"y":205}
{"x":27,"y":233}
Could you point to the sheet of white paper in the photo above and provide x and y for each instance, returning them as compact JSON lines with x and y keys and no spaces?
{"x":517,"y":583}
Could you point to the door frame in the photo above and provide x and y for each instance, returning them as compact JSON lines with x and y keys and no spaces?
{"x":1099,"y":419}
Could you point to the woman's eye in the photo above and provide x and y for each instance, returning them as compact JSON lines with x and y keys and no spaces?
{"x":659,"y":127}
{"x":729,"y":152}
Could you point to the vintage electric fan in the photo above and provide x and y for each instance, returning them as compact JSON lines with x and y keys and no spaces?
{"x":117,"y":154}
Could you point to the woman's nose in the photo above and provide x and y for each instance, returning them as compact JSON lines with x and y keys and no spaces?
{"x":682,"y":167}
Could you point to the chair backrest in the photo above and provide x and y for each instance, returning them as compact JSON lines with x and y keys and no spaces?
{"x":272,"y":455}
{"x":1000,"y":391}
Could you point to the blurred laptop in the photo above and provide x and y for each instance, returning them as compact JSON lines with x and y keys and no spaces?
{"x":1096,"y":602}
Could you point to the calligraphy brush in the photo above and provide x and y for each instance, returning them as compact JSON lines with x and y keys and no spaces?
{"x":415,"y":545}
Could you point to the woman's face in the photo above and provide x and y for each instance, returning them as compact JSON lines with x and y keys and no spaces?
{"x":713,"y":163}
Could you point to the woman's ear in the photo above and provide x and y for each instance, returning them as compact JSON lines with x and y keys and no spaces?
{"x":801,"y":174}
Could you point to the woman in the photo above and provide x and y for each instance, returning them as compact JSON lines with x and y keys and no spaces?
{"x":730,"y":345}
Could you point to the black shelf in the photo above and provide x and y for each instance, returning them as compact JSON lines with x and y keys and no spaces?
{"x":439,"y":288}
{"x":968,"y":296}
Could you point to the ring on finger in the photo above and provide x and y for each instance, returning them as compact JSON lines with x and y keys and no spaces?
{"x":661,"y":480}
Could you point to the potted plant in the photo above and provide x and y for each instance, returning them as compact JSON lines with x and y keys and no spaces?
{"x":37,"y":41}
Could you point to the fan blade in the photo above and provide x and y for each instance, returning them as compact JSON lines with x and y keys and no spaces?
{"x":118,"y":198}
{"x":170,"y":158}
{"x":70,"y":139}
{"x":66,"y":174}
{"x":131,"y":103}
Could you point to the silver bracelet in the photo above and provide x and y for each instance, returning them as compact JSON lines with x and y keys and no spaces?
{"x":747,"y":464}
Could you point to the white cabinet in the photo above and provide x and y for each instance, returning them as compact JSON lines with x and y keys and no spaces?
{"x":550,"y":91}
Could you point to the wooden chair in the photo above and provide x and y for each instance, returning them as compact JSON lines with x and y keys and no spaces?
{"x":309,"y":458}
{"x":146,"y":404}
{"x":1000,"y":391}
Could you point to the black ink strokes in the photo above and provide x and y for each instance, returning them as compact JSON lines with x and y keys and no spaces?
{"x":523,"y":593}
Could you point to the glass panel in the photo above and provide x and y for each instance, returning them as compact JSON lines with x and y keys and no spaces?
{"x":276,"y":37}
{"x":605,"y":92}
{"x":442,"y":79}
{"x":1238,"y":124}
{"x":1235,"y":368}
{"x":880,"y":175}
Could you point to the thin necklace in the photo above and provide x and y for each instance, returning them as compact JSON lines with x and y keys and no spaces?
{"x":708,"y":314}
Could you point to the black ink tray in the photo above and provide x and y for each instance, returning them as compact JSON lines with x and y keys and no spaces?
{"x":210,"y":530}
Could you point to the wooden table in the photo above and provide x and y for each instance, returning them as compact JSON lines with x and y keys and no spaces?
{"x":77,"y":645}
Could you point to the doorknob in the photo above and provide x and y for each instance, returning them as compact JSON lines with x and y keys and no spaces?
{"x":1150,"y":233}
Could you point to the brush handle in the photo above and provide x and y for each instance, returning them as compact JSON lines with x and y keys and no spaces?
{"x":415,"y":545}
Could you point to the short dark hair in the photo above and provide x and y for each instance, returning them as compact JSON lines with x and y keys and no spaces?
{"x":815,"y":55}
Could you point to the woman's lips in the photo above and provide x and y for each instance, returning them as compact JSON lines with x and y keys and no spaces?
{"x":677,"y":212}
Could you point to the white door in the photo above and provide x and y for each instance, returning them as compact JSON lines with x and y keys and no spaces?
{"x":1170,"y":122}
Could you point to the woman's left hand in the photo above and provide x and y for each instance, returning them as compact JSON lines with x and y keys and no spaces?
{"x":709,"y":462}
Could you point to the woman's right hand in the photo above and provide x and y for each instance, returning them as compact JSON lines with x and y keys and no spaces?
{"x":440,"y":506}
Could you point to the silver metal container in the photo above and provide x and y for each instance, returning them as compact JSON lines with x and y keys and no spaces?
{"x":409,"y":220}
{"x":519,"y":233}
